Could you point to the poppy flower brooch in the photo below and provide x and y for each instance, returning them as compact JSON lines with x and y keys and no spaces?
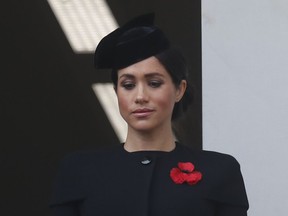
{"x":185,"y":172}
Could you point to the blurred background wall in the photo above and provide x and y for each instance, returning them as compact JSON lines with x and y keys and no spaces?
{"x":245,"y":94}
{"x":47,"y":105}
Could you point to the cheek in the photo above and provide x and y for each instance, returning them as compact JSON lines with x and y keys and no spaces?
{"x":123,"y":102}
{"x":165,"y":100}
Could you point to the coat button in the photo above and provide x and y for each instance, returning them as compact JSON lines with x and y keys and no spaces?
{"x":146,"y":161}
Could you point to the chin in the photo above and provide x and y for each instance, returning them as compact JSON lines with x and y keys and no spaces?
{"x":141,"y":125}
{"x":142,"y":128}
{"x":145,"y":126}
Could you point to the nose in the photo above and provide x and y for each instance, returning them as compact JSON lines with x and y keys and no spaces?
{"x":141,"y":95}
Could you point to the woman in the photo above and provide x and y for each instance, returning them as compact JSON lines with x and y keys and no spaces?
{"x":150,"y":174}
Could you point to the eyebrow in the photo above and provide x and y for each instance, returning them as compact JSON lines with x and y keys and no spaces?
{"x":146,"y":75}
{"x":153,"y":74}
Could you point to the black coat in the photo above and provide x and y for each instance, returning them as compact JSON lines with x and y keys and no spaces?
{"x":115,"y":182}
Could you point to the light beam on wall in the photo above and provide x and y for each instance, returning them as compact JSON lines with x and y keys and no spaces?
{"x":84,"y":22}
{"x":107,"y":98}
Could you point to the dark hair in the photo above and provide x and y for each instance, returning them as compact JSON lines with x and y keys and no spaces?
{"x":175,"y":64}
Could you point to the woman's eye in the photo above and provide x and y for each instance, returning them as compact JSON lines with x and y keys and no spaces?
{"x":155,"y":84}
{"x":128,"y":86}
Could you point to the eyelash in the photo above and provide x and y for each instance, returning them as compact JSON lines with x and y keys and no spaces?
{"x":155,"y":83}
{"x":128,"y":85}
{"x":131,"y":85}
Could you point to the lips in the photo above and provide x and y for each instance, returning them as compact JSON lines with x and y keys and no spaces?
{"x":142,"y":112}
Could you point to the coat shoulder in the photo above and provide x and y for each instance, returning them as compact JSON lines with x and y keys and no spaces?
{"x":212,"y":157}
{"x":80,"y":158}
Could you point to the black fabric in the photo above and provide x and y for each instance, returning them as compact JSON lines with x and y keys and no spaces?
{"x":115,"y":182}
{"x":135,"y":41}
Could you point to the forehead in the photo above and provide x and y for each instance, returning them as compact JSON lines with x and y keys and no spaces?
{"x":150,"y":66}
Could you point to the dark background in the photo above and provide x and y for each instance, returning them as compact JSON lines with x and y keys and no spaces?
{"x":47,"y":105}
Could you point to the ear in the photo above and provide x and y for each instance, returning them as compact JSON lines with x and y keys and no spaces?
{"x":181,"y":90}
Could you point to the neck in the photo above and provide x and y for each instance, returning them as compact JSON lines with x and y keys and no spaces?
{"x":162,"y":140}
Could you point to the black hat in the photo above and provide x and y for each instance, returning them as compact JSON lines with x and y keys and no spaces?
{"x":135,"y":41}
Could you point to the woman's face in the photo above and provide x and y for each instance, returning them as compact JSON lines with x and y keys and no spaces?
{"x":146,"y":95}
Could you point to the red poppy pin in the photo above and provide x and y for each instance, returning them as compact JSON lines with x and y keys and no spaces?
{"x":185,"y":172}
